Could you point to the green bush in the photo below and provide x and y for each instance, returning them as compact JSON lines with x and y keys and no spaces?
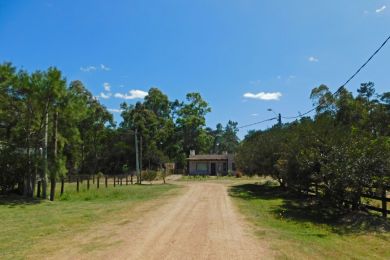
{"x":149,"y":175}
{"x":344,"y":150}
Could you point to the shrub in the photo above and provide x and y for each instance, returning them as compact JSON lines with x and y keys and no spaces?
{"x":149,"y":175}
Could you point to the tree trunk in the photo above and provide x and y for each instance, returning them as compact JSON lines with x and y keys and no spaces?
{"x":27,"y":189}
{"x":52,"y":188}
{"x":34,"y":177}
{"x":53,"y":174}
{"x":140,"y":160}
{"x":44,"y":174}
{"x":136,"y":156}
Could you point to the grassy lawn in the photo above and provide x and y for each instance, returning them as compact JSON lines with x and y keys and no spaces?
{"x":33,"y":227}
{"x":300,"y":228}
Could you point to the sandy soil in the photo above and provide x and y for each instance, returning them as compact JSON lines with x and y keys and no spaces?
{"x":201,"y":223}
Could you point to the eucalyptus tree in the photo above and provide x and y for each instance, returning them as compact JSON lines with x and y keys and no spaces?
{"x":191,"y":123}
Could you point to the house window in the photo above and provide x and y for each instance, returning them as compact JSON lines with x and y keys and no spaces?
{"x":233,"y":166}
{"x":201,"y":167}
{"x":224,"y":167}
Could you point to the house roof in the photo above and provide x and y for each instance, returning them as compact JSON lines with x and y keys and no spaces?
{"x":207,"y":157}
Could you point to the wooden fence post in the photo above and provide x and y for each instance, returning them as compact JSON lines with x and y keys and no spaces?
{"x":121,"y":180}
{"x":105,"y":180}
{"x":127,"y":180}
{"x":93,"y":179}
{"x":114,"y":180}
{"x":98,"y":180}
{"x":62,"y":185}
{"x":384,"y":203}
{"x":88,"y":183}
{"x":78,"y":184}
{"x":39,"y":189}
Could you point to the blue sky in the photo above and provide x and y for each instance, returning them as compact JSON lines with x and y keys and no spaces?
{"x":242,"y":56}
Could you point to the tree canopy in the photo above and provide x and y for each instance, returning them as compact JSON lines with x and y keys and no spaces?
{"x":49,"y":129}
{"x":345,"y":148}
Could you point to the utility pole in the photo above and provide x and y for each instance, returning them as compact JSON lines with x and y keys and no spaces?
{"x":136,"y":156}
{"x":278,"y":116}
{"x":140,"y":160}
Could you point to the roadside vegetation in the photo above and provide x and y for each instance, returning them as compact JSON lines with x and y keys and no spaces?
{"x":34,"y":228}
{"x":50,"y":128}
{"x":342,"y":154}
{"x":298,"y":227}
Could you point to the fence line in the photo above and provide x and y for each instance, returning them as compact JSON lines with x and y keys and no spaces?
{"x":78,"y":179}
{"x":315,"y":190}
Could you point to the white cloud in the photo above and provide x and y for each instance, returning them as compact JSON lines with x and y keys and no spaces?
{"x":105,"y":96}
{"x":107,"y":86}
{"x":380,"y":10}
{"x":264,"y":95}
{"x":134,"y":94}
{"x":88,"y":68}
{"x":313,"y":59}
{"x":254,"y":114}
{"x":104,"y":67}
{"x":120,"y":95}
{"x":114,"y":110}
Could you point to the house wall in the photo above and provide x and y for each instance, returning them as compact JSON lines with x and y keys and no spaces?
{"x":230,"y":163}
{"x":219,"y":167}
{"x":193,"y":167}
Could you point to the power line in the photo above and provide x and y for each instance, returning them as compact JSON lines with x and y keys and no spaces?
{"x":333,"y":94}
{"x":342,"y":86}
{"x":269,"y":119}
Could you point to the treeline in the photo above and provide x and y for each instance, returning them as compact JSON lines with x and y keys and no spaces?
{"x":345,"y":148}
{"x":49,"y":129}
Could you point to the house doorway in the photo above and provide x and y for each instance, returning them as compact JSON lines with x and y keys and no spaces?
{"x":212,"y":169}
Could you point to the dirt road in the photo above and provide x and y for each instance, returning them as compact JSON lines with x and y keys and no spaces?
{"x":201,"y":223}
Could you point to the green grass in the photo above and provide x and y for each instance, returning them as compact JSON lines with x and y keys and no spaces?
{"x":28,"y":226}
{"x":301,"y":228}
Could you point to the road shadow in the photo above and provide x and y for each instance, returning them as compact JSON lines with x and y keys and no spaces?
{"x":13,"y":200}
{"x":302,"y":208}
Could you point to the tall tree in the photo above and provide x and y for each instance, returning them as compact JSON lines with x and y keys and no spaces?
{"x":191,"y":122}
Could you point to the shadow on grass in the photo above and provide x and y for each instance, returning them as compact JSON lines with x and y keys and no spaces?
{"x":302,"y":208}
{"x":14,"y":200}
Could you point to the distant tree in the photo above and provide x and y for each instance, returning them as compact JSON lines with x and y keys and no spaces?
{"x":229,"y":139}
{"x":191,"y":122}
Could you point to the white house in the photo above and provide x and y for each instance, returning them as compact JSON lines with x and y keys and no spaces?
{"x":210,"y":164}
